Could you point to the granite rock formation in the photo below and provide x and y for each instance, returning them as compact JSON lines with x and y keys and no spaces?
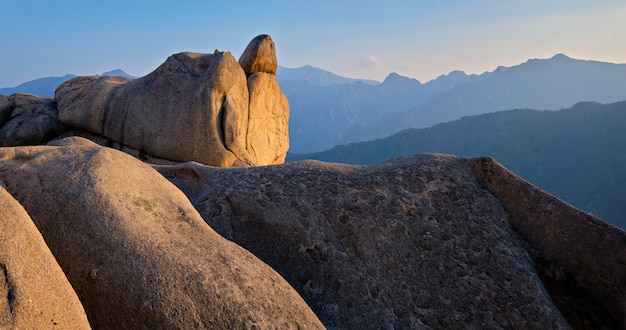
{"x":136,"y":251}
{"x":268,"y":124}
{"x":34,"y":292}
{"x":573,"y":250}
{"x":194,"y":107}
{"x":259,"y":56}
{"x":424,"y":241}
{"x":208,"y":108}
{"x":27,"y":119}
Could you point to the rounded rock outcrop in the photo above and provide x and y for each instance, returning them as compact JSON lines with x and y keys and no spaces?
{"x":414,"y":243}
{"x":194,"y":107}
{"x":259,"y":56}
{"x":27,"y":119}
{"x":34,"y":292}
{"x":136,"y":251}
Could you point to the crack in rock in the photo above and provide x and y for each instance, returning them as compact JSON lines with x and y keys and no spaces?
{"x":7,"y":297}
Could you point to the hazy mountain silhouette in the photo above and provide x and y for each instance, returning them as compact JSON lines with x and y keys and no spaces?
{"x":117,"y":72}
{"x":45,"y":87}
{"x":326,"y":112}
{"x":551,"y":84}
{"x":324,"y":105}
{"x":316,"y":76}
{"x":577,"y":154}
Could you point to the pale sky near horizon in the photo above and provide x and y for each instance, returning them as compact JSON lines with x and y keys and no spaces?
{"x":358,"y":39}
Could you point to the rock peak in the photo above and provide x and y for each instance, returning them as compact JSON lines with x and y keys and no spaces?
{"x":395,"y":78}
{"x":259,"y":56}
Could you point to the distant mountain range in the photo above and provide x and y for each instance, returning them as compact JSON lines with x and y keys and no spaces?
{"x":326,"y":107}
{"x":316,"y":76}
{"x":325,"y":115}
{"x":552,"y":84}
{"x":577,"y":154}
{"x":45,"y":87}
{"x":328,"y":110}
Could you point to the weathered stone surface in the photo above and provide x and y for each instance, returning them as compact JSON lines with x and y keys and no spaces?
{"x":194,"y":107}
{"x":582,"y":258}
{"x":412,"y":243}
{"x":34,"y":292}
{"x":26,"y":119}
{"x":259,"y":56}
{"x":136,"y":251}
{"x":268,"y":125}
{"x":89,"y":92}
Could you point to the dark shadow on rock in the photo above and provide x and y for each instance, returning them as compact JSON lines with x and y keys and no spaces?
{"x":580,"y":258}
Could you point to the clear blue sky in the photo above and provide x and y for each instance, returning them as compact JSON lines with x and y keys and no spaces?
{"x":361,"y":39}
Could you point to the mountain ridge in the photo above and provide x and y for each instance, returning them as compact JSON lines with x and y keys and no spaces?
{"x":317,"y":76}
{"x":548,"y":84}
{"x":324,"y":116}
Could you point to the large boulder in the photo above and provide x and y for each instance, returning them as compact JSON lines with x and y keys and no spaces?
{"x":136,"y":251}
{"x":416,"y":242}
{"x":268,"y":124}
{"x":26,"y":119}
{"x":259,"y":56}
{"x":34,"y":292}
{"x":194,"y":107}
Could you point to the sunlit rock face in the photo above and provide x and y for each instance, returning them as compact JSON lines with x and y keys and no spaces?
{"x":34,"y":292}
{"x":134,"y":249}
{"x":194,"y":107}
{"x":268,"y":124}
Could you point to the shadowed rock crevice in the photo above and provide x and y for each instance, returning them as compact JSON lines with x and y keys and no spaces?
{"x":581,"y":309}
{"x":7,"y":297}
{"x":220,"y":123}
{"x":587,"y":254}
